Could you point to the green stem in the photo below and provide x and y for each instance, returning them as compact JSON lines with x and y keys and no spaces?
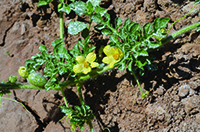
{"x":61,"y":25}
{"x":63,"y":84}
{"x":91,"y":126}
{"x":8,"y":86}
{"x":137,"y":82}
{"x":79,"y":85}
{"x":181,"y":31}
{"x":16,"y":102}
{"x":181,"y":18}
{"x":63,"y":94}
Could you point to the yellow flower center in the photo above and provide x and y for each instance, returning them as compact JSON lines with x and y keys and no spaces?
{"x":86,"y":64}
{"x":116,"y":56}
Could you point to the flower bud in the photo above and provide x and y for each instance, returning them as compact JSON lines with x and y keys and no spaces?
{"x":23,"y":72}
{"x":12,"y":79}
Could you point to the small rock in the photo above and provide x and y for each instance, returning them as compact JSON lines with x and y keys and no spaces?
{"x":198,"y":118}
{"x":23,"y":29}
{"x":128,"y":8}
{"x":160,"y":91}
{"x":41,"y":23}
{"x":184,"y":90}
{"x":194,"y":84}
{"x":192,"y":104}
{"x":176,"y":98}
{"x":46,"y":28}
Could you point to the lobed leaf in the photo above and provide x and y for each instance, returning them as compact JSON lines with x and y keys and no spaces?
{"x":197,"y":2}
{"x":43,"y":2}
{"x":79,"y":7}
{"x":94,"y":2}
{"x":76,"y":27}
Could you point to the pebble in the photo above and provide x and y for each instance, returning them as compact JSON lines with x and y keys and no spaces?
{"x":23,"y":29}
{"x":184,"y":90}
{"x":160,"y":91}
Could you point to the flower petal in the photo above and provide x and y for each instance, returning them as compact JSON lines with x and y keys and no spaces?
{"x":112,"y":64}
{"x":119,"y":51}
{"x":107,"y":60}
{"x":94,"y":64}
{"x":109,"y":50}
{"x":80,"y":59}
{"x":86,"y":70}
{"x":78,"y":68}
{"x":91,"y":57}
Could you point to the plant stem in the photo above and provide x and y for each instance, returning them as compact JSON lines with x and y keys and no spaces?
{"x":63,"y":94}
{"x":63,"y":84}
{"x":91,"y":127}
{"x":181,"y":31}
{"x":79,"y":85}
{"x":181,"y":18}
{"x":4,"y":86}
{"x":137,"y":82}
{"x":17,"y":102}
{"x":61,"y":25}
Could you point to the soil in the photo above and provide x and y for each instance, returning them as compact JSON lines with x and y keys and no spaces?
{"x":173,"y":104}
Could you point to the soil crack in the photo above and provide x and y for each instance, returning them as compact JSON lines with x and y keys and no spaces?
{"x":5,"y":34}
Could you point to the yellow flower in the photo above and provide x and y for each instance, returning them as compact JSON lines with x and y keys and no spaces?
{"x":114,"y":54}
{"x":85,"y":64}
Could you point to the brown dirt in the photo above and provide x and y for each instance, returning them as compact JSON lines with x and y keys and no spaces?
{"x":173,"y":104}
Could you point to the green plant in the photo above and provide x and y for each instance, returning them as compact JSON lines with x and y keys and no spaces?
{"x":129,"y":48}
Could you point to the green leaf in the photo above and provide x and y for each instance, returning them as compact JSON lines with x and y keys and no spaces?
{"x":147,"y":30}
{"x":43,"y":2}
{"x":106,"y":32}
{"x":100,"y":27}
{"x":114,"y":39}
{"x":76,"y":27}
{"x":76,"y":50}
{"x":43,"y":48}
{"x":154,"y":44}
{"x":136,"y":28}
{"x":59,"y":49}
{"x":77,"y":108}
{"x":82,"y":127}
{"x":94,"y":2}
{"x":66,"y":110}
{"x":97,"y":18}
{"x":83,"y":110}
{"x":92,"y":48}
{"x":85,"y":33}
{"x":130,"y":66}
{"x":29,"y":65}
{"x":90,"y":8}
{"x":160,"y":23}
{"x":197,"y":2}
{"x":100,"y":10}
{"x":79,"y":7}
{"x":64,"y":7}
{"x":118,"y":22}
{"x":122,"y":66}
{"x":127,"y":22}
{"x":107,"y":16}
{"x":198,"y":27}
